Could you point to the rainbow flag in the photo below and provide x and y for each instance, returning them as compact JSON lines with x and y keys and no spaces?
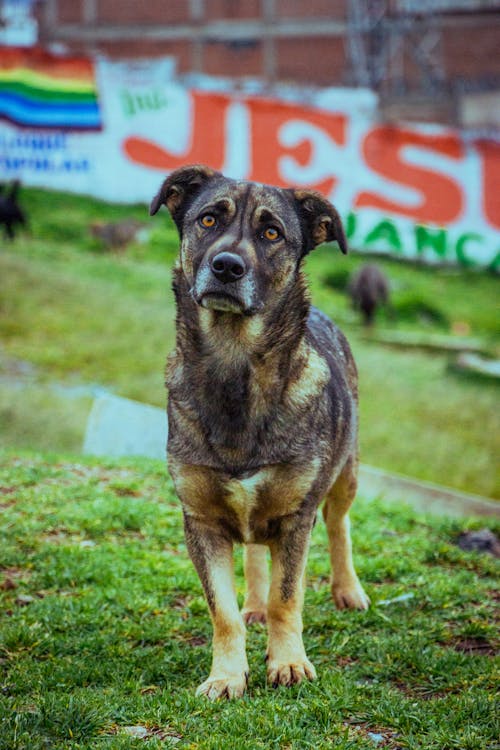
{"x":40,"y":90}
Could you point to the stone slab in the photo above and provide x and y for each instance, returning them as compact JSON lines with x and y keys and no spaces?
{"x":425,"y":497}
{"x":121,"y":427}
{"x":476,"y":365}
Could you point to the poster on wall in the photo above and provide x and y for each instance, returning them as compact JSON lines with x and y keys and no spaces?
{"x":115,"y":129}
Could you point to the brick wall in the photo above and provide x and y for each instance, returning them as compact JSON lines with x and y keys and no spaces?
{"x":134,"y":12}
{"x":70,"y":12}
{"x":315,"y":60}
{"x":181,"y":49}
{"x":472,"y":52}
{"x":310,"y":8}
{"x":239,"y":58}
{"x":231,"y":9}
{"x":280,"y":40}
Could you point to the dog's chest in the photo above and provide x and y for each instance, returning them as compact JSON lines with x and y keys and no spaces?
{"x":261,"y":500}
{"x":244,"y":497}
{"x":250,"y":506}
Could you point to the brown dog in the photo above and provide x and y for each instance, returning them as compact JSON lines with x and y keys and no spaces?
{"x":116,"y":234}
{"x":262,"y":412}
{"x":369,"y":289}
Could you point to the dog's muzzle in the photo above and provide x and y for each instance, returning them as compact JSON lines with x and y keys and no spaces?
{"x":222,"y":284}
{"x":228,"y":267}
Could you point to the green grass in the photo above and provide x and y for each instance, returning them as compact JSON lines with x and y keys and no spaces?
{"x":39,"y":416}
{"x":103,"y":626}
{"x":82,"y":315}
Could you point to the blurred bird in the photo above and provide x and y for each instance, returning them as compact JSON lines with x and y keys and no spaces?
{"x":368,"y":289}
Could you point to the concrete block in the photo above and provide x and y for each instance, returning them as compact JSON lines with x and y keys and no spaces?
{"x":425,"y":497}
{"x":122,"y":427}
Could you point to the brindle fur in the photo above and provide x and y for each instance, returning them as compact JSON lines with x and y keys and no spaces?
{"x":262,"y":414}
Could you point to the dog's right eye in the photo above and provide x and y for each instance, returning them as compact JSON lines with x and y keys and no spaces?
{"x":271,"y":234}
{"x":208,"y":221}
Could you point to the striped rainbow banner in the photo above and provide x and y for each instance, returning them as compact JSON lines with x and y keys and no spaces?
{"x":40,"y":90}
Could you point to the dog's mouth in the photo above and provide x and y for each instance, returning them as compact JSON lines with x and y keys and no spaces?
{"x":222,"y":302}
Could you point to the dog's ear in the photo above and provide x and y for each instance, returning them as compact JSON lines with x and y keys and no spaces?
{"x":179,"y":187}
{"x":320,"y":220}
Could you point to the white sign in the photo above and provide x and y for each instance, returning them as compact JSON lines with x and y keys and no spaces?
{"x":422,"y":192}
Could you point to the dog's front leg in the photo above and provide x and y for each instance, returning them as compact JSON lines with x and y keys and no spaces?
{"x":287,"y":661}
{"x":212,"y":556}
{"x":257,"y":579}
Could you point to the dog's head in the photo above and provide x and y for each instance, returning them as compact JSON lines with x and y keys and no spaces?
{"x":242,"y":243}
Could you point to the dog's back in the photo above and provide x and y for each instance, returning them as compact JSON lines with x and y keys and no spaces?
{"x":333,"y":345}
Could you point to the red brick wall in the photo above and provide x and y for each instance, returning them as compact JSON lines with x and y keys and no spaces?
{"x":332,"y":9}
{"x":472,"y":51}
{"x":70,"y":11}
{"x":135,"y":11}
{"x":180,"y":49}
{"x":233,"y":59}
{"x":469,"y":45}
{"x":231,"y":9}
{"x":317,"y":60}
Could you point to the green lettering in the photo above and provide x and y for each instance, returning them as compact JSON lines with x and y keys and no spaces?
{"x":160,"y":101}
{"x":128,"y":103}
{"x":146,"y":101}
{"x":460,"y":248}
{"x":432,"y":238}
{"x":495,"y":263}
{"x":384,"y":231}
{"x":350,"y":226}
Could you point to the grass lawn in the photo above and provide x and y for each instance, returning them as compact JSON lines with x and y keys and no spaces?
{"x":104,"y":633}
{"x":78,"y":314}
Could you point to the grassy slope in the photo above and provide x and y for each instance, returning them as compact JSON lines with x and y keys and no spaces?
{"x":82,"y":315}
{"x":103,"y":626}
{"x":417,"y":418}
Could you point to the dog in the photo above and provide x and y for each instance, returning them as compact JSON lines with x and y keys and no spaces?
{"x":116,"y":235}
{"x":368,"y":290}
{"x":262,"y":412}
{"x":11,"y":213}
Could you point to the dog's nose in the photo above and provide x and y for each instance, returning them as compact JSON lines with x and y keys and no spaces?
{"x":227,"y":267}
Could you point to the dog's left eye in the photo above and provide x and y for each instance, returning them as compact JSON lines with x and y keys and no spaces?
{"x":271,"y":234}
{"x":208,"y":221}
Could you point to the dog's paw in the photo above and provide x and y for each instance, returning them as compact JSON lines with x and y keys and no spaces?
{"x":290,"y":674}
{"x":226,"y":686}
{"x":252,"y":616}
{"x":350,"y":596}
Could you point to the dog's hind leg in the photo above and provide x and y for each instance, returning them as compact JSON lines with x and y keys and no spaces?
{"x":347,"y":591}
{"x":257,"y":580}
{"x":212,"y":556}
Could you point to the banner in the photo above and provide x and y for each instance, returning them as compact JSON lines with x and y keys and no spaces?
{"x":421,"y":192}
{"x":39,"y":90}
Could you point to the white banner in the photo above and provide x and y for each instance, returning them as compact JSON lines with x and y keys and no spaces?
{"x":423,"y":192}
